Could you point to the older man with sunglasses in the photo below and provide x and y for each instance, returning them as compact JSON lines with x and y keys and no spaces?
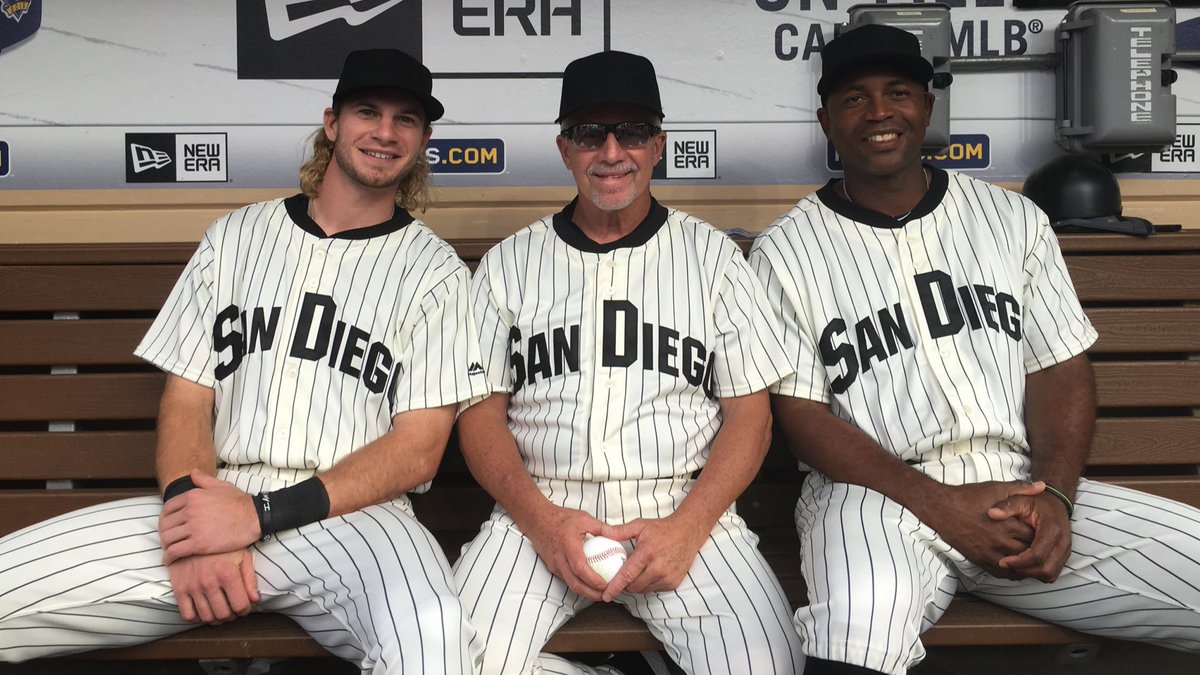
{"x":628,"y":347}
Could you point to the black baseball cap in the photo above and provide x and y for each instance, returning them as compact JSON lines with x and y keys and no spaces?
{"x":388,"y":69}
{"x":609,"y":77}
{"x":872,"y":44}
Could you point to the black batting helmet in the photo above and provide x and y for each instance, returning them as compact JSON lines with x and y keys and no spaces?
{"x":1080,"y":193}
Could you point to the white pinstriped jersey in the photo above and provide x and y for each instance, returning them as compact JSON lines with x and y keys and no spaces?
{"x":614,"y":356}
{"x":921,"y":332}
{"x":312,"y":343}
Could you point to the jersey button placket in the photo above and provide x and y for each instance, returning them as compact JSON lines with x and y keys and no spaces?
{"x":608,"y":389}
{"x":600,"y":272}
{"x":913,"y":261}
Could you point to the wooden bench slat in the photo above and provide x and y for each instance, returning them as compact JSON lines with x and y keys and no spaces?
{"x":141,"y":287}
{"x":99,"y":253}
{"x":462,"y":510}
{"x":22,"y":508}
{"x":1099,"y":242}
{"x":970,"y":621}
{"x":769,"y":507}
{"x":1149,"y":330}
{"x":38,"y":455}
{"x":1143,"y":384}
{"x":472,"y":248}
{"x":108,"y":396}
{"x":77,"y":288}
{"x":1119,"y":441}
{"x":1135,"y":277}
{"x":262,"y":636}
{"x":1131,"y":441}
{"x":72,"y":342}
{"x":135,"y":395}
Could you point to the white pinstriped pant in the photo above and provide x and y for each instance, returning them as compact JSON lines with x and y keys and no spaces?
{"x":373,"y":587}
{"x":728,"y":616}
{"x":878,"y":577}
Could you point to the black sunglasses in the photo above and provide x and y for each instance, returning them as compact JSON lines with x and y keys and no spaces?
{"x":629,"y":134}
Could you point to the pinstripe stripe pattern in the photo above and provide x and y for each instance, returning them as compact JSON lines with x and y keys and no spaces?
{"x":653,"y":418}
{"x":920,"y":396}
{"x":613,"y":418}
{"x":373,"y":587}
{"x":312,"y":344}
{"x":878,"y":577}
{"x":387,"y":332}
{"x":728,"y":616}
{"x":869,"y":309}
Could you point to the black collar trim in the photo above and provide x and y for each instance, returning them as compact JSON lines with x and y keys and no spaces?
{"x":569,"y":232}
{"x":297,"y":208}
{"x":938,"y":182}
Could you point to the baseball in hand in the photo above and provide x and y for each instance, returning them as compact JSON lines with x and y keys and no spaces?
{"x":604,"y":556}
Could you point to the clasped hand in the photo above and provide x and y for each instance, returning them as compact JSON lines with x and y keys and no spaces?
{"x":1012,"y":530}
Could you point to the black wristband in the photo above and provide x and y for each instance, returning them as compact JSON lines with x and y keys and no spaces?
{"x":300,"y":504}
{"x":177,"y":487}
{"x":262,"y":506}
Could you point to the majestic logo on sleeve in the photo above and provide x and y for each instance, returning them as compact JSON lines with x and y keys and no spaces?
{"x":948,"y":311}
{"x":319,"y":336}
{"x":625,"y":342}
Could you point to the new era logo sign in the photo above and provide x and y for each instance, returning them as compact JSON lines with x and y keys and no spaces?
{"x":688,"y":154}
{"x":309,"y":39}
{"x":176,"y":158}
{"x":145,"y":157}
{"x":286,"y":18}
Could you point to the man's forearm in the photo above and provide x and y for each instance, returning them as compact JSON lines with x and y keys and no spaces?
{"x":846,"y":454}
{"x":185,"y":440}
{"x":403,"y":458}
{"x":1060,"y":416}
{"x":491,"y":454}
{"x":735,"y":458}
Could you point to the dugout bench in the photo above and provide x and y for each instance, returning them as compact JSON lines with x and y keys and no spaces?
{"x":77,"y":421}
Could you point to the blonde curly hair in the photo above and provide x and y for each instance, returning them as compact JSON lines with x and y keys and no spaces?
{"x":413,"y":193}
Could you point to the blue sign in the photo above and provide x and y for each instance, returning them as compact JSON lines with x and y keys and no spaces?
{"x":966,"y":151}
{"x":465,"y":155}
